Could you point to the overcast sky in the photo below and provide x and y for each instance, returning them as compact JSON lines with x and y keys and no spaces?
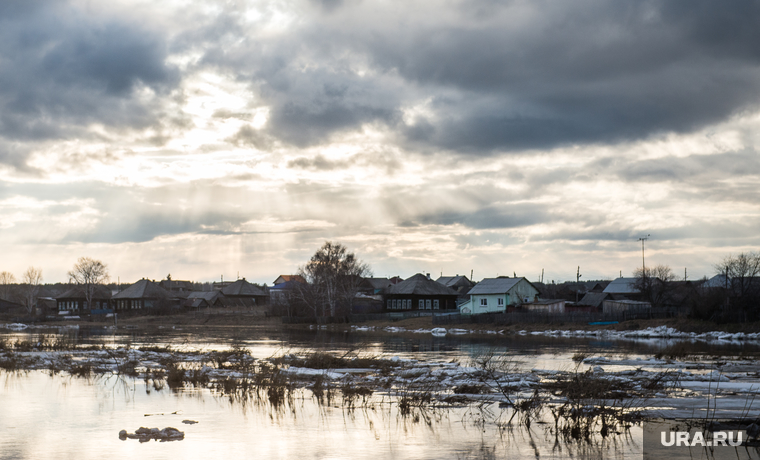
{"x":209,"y":138}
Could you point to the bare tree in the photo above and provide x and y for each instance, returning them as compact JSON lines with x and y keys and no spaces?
{"x":31,"y":280}
{"x":7,"y":280}
{"x":333,"y":275}
{"x":742,"y":278}
{"x":89,"y":273}
{"x":654,"y":283}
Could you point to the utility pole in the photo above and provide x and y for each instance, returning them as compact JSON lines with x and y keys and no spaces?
{"x":542,"y":275}
{"x":577,"y":281}
{"x":684,"y":274}
{"x":643,"y":265}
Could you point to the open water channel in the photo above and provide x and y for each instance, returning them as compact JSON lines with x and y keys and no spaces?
{"x":61,"y":416}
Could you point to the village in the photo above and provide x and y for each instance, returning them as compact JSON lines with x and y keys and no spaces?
{"x":348,"y":293}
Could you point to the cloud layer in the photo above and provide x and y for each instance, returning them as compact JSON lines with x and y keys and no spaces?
{"x":506,"y":136}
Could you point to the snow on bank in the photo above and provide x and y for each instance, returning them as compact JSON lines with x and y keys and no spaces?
{"x":660,"y":332}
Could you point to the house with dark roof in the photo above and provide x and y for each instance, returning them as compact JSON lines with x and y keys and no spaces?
{"x":176,"y":285}
{"x":142,"y":295}
{"x":241,"y":293}
{"x":494,"y":295}
{"x":204,"y":299}
{"x":623,"y":289}
{"x":375,"y":286}
{"x":594,"y":300}
{"x":420,"y":293}
{"x":74,"y":300}
{"x":461,"y":284}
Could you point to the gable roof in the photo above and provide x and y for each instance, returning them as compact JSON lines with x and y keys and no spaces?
{"x":78,"y":292}
{"x":286,"y":278}
{"x":594,"y":299}
{"x":208,"y":296}
{"x":379,"y":283}
{"x":497,"y":285}
{"x":243,"y":288}
{"x":420,"y":284}
{"x":451,"y":281}
{"x":143,"y":289}
{"x":622,"y":286}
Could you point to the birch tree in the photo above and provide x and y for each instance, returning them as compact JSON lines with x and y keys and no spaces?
{"x":7,"y":280}
{"x":333,"y":275}
{"x":31,"y":280}
{"x":89,"y":273}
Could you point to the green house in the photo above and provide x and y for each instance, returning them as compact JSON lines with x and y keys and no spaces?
{"x":494,"y":295}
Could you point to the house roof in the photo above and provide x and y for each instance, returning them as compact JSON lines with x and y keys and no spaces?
{"x":622,"y":286}
{"x":170,"y":284}
{"x":451,"y":281}
{"x":78,"y":292}
{"x":496,"y":286}
{"x":286,"y":286}
{"x":287,"y":278}
{"x":209,"y":296}
{"x":379,"y":283}
{"x":420,"y":284}
{"x":243,"y":288}
{"x":143,"y":289}
{"x":594,"y":299}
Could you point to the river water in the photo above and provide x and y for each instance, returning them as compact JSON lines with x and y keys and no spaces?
{"x":60,"y":416}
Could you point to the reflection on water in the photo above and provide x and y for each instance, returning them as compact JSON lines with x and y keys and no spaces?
{"x":59,"y":416}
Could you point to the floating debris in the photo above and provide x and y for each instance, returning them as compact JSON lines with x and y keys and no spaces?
{"x":189,"y":422}
{"x":146,"y":434}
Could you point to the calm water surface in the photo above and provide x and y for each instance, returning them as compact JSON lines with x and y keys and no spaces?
{"x":43,"y":416}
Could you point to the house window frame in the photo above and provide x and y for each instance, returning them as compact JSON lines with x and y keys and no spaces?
{"x":428,"y":304}
{"x":484,"y":301}
{"x":421,"y":304}
{"x":436,"y":304}
{"x":500,"y":302}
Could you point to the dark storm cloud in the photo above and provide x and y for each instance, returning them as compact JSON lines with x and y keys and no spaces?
{"x":61,"y":70}
{"x":507,"y":75}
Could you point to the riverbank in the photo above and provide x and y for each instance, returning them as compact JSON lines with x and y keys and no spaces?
{"x":258,"y":318}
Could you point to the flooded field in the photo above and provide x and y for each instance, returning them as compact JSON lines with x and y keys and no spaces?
{"x":355,"y":394}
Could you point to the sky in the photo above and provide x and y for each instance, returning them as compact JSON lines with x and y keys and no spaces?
{"x":210,"y":138}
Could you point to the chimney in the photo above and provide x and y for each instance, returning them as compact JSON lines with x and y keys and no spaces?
{"x":428,"y":275}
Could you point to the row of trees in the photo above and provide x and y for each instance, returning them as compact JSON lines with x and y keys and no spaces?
{"x":736,"y":295}
{"x":87,"y":272}
{"x":24,"y":293}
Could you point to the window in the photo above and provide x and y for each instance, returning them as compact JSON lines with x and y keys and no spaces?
{"x":501,"y":301}
{"x":421,"y":305}
{"x":427,"y":304}
{"x":395,"y":304}
{"x":390,"y":303}
{"x":435,"y":304}
{"x":407,"y":304}
{"x":483,"y":302}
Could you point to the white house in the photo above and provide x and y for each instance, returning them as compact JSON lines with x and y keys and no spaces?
{"x":493,"y":295}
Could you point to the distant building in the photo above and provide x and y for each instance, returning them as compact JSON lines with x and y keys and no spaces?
{"x":142,"y":295}
{"x":74,"y":300}
{"x":285,"y":278}
{"x":461,"y":284}
{"x":242,"y":293}
{"x":419,"y":292}
{"x":207,"y":299}
{"x":176,"y":285}
{"x":493,"y":295}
